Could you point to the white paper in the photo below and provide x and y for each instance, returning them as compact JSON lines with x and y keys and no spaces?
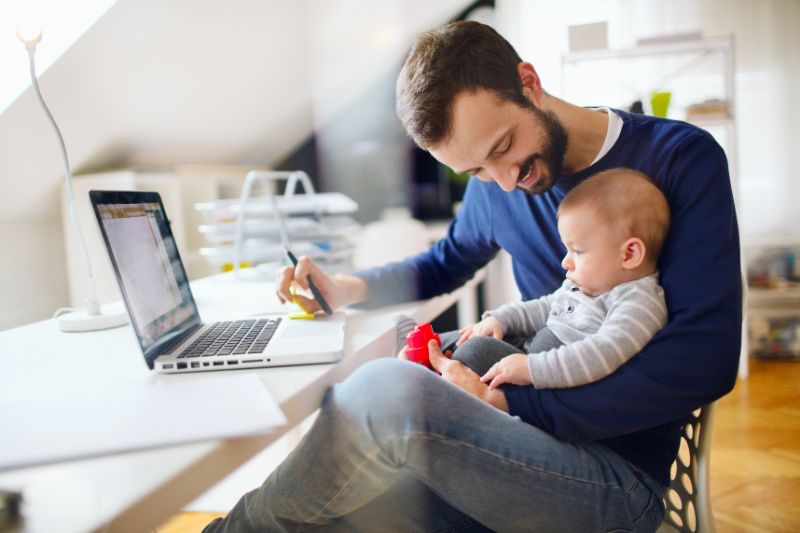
{"x":134,"y":417}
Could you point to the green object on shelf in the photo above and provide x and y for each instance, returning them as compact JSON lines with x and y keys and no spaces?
{"x":659,"y":102}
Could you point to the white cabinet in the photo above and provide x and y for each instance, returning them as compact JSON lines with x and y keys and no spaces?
{"x":179,"y":191}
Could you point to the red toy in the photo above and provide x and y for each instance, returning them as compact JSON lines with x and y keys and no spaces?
{"x":417,"y":340}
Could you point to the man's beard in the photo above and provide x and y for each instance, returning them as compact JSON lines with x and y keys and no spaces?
{"x":551,"y":154}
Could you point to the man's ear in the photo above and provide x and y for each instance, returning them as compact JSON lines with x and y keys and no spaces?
{"x":531,"y":84}
{"x":633,"y":253}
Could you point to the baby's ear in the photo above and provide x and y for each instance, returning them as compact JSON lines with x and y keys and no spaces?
{"x":633,"y":253}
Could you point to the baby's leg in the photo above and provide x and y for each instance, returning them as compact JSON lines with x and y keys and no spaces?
{"x":480,"y":353}
{"x":477,"y":353}
{"x":543,"y":341}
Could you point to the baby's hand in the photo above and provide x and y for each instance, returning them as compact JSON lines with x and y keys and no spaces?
{"x":488,"y":327}
{"x":510,"y":369}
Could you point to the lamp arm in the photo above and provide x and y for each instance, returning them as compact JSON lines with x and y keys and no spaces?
{"x":92,"y":308}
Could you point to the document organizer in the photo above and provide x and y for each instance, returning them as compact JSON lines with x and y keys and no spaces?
{"x":249,"y":230}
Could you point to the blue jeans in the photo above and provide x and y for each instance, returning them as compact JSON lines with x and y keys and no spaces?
{"x":397,"y":448}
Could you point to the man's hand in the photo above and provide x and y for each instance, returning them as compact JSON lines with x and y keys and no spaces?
{"x":337,"y":290}
{"x":460,"y":375}
{"x":510,"y":369}
{"x":488,"y":327}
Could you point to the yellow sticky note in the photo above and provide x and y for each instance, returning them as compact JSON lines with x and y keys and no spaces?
{"x":301,"y":315}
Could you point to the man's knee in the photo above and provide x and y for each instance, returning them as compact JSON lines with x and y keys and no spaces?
{"x":382,"y":386}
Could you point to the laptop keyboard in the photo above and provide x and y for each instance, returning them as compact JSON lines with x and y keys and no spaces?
{"x":233,"y":338}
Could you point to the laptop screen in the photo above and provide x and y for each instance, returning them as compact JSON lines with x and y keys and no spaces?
{"x":149,"y":270}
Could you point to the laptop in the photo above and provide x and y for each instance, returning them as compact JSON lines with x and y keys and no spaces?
{"x":163,"y":313}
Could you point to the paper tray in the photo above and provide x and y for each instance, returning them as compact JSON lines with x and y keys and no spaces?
{"x":325,"y":227}
{"x":321,"y":203}
{"x":261,"y":252}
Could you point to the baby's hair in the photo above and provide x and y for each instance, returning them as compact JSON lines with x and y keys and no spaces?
{"x":628,"y":201}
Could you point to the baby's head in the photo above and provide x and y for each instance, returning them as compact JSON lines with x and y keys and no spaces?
{"x":613,"y":225}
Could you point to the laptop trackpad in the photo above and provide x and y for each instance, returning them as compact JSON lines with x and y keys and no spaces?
{"x":322,"y":335}
{"x":313,"y":328}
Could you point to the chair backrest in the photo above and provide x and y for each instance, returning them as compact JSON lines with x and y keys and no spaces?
{"x":688,"y":500}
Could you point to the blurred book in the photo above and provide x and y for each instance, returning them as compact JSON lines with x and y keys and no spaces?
{"x":713,"y":108}
{"x":669,"y":38}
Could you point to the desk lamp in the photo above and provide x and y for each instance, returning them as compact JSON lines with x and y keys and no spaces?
{"x":91,"y":317}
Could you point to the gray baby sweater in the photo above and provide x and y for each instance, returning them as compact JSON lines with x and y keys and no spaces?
{"x":599,"y":333}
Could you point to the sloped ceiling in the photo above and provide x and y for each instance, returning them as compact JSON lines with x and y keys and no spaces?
{"x":154,"y":84}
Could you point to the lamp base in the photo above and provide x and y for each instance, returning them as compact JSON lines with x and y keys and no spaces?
{"x":111,"y":316}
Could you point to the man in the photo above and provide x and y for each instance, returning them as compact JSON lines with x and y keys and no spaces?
{"x":396,"y":447}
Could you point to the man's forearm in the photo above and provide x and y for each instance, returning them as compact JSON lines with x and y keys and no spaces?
{"x":354,"y":289}
{"x":387,"y":285}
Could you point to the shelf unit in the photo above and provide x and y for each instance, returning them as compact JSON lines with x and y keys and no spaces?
{"x":774,"y":310}
{"x":699,"y":48}
{"x":779,"y":297}
{"x":695,"y":51}
{"x":775,"y":329}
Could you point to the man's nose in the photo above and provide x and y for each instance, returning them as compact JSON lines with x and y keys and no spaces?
{"x":505,"y":176}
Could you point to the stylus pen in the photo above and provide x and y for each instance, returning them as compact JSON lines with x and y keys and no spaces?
{"x":314,"y":289}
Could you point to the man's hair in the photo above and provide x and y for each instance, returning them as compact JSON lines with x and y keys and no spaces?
{"x":625,"y":200}
{"x":462,"y":56}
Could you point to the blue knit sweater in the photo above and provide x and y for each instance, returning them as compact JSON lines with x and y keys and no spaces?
{"x":638,"y":410}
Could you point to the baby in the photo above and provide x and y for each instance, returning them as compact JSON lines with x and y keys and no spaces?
{"x":610,"y":305}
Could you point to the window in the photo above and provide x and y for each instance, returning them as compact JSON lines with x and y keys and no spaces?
{"x":62,"y":23}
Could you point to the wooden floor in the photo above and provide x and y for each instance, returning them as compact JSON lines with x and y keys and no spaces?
{"x":755,"y":458}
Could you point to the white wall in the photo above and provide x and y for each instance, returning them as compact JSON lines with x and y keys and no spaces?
{"x":34,"y":283}
{"x":151,"y":84}
{"x":767,"y":79}
{"x":154,"y":84}
{"x":157,"y":83}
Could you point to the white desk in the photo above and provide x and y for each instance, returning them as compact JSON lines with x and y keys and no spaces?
{"x":139,"y":491}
